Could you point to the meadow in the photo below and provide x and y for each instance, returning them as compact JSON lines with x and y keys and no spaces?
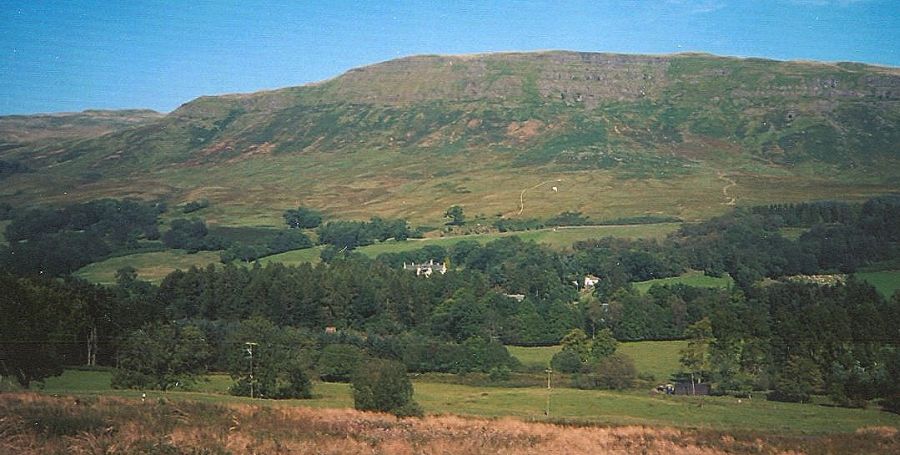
{"x":658,"y":359}
{"x":692,"y":278}
{"x":155,"y":266}
{"x":152,"y":267}
{"x":887,"y":282}
{"x":636,"y":407}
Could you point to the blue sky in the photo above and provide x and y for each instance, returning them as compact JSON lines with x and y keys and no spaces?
{"x":75,"y":55}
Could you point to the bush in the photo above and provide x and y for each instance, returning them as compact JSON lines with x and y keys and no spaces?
{"x":614,"y":372}
{"x":501,"y":373}
{"x":193,"y":206}
{"x":337,"y":362}
{"x":797,"y":381}
{"x":302,"y":218}
{"x":382,"y":385}
{"x":891,"y":404}
{"x":292,"y":383}
{"x":566,"y":361}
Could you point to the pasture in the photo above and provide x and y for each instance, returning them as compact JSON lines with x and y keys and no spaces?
{"x":155,"y":266}
{"x":637,"y":407}
{"x":692,"y":278}
{"x":152,"y":267}
{"x":655,"y":358}
{"x":885,"y":281}
{"x":559,"y":238}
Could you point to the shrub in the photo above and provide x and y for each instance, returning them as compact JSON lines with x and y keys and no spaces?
{"x":566,"y":361}
{"x":614,"y":372}
{"x":382,"y":385}
{"x":337,"y":362}
{"x":501,"y":373}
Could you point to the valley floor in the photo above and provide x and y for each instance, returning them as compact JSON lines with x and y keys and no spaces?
{"x":637,"y":407}
{"x":181,"y":423}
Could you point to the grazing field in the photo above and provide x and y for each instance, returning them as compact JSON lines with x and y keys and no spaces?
{"x":155,"y":266}
{"x":656,"y":358}
{"x":693,"y":278}
{"x":886,"y":281}
{"x":294,"y":257}
{"x":792,"y":233}
{"x":556,"y":238}
{"x":151,"y":267}
{"x":40,"y":424}
{"x":534,"y":356}
{"x":588,"y":406}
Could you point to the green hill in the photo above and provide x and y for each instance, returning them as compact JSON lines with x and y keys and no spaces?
{"x":616,"y":135}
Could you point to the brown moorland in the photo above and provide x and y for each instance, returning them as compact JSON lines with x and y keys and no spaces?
{"x":40,"y":424}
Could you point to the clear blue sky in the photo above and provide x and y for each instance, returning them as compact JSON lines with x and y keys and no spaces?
{"x":75,"y":55}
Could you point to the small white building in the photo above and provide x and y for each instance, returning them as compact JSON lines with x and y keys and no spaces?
{"x":590,"y":281}
{"x":427,"y":268}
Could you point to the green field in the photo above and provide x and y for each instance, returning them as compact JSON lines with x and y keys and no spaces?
{"x":886,"y":281}
{"x":656,"y":358}
{"x":556,"y":238}
{"x":536,"y":356}
{"x":155,"y":266}
{"x":151,"y":267}
{"x":693,"y":278}
{"x":792,"y":233}
{"x":633,"y":407}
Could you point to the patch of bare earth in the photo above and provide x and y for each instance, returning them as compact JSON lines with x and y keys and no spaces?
{"x":523,"y":131}
{"x":253,"y":151}
{"x":38,"y":424}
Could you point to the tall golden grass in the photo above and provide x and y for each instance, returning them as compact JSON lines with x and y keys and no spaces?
{"x":39,"y":424}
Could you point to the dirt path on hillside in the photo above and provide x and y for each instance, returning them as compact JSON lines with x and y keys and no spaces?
{"x":522,"y":194}
{"x":729,"y":183}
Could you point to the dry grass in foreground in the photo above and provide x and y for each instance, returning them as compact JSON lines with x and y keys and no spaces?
{"x":39,"y":424}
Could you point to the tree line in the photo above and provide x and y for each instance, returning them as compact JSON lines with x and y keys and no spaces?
{"x":322,"y":320}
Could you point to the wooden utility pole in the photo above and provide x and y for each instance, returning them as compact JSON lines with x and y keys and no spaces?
{"x":250,"y":350}
{"x":549,"y":372}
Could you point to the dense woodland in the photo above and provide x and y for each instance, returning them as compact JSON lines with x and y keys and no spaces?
{"x":767,"y":333}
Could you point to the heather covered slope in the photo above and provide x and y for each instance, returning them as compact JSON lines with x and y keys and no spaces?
{"x":24,"y":130}
{"x":618,"y":135}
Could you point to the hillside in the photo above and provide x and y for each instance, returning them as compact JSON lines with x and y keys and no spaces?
{"x":617,"y":135}
{"x":23,"y":130}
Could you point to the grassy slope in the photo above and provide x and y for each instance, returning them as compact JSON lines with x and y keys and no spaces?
{"x":637,"y":407}
{"x":886,"y":281}
{"x":151,"y":267}
{"x":696,"y":279}
{"x":410,"y":138}
{"x":154,"y":267}
{"x":657,"y":358}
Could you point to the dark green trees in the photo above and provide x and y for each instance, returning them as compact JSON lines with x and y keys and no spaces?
{"x":266,"y":361}
{"x":30,"y":317}
{"x":382,"y":385}
{"x":695,"y":357}
{"x":303,"y":218}
{"x":456,"y":216}
{"x":338,"y":361}
{"x":161,"y":356}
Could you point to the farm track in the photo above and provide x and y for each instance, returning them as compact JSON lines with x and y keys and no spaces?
{"x":729,"y":183}
{"x":522,"y":194}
